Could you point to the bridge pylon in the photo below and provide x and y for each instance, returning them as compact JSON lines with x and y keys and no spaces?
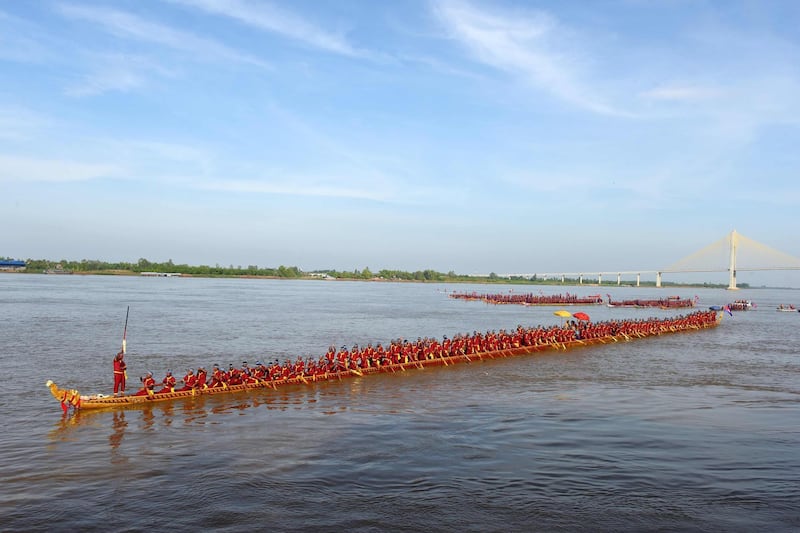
{"x":732,"y":265}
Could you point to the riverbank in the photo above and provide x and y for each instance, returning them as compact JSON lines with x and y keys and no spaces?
{"x":469,"y":280}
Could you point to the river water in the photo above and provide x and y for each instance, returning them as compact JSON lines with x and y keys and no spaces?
{"x":689,"y":432}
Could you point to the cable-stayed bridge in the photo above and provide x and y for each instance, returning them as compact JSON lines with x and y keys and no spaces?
{"x":733,"y":253}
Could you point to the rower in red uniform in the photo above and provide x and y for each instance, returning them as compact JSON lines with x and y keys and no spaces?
{"x":168,"y":383}
{"x":249,"y":374}
{"x":234,"y":375}
{"x":261,"y":371}
{"x":330,"y":357}
{"x":342,"y":359}
{"x":148,"y":383}
{"x":200,"y":383}
{"x":218,"y":378}
{"x":189,"y":380}
{"x":119,"y":374}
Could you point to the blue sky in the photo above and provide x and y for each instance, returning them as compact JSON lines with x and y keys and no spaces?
{"x":471,"y":136}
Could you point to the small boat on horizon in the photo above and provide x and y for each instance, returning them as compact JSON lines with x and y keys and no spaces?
{"x":741,"y":305}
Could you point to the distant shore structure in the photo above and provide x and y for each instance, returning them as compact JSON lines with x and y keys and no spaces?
{"x":161,"y":274}
{"x":12,"y":265}
{"x":732,"y":244}
{"x":58,"y":270}
{"x":320,"y":275}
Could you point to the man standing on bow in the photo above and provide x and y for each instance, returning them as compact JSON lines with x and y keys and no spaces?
{"x":119,"y":374}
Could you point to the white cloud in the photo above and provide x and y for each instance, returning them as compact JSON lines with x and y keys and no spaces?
{"x":21,"y":169}
{"x":106,"y":81}
{"x":130,"y":26}
{"x":531,"y":45}
{"x":735,"y":112}
{"x":739,"y":80}
{"x":116,"y":72}
{"x":270,"y":18}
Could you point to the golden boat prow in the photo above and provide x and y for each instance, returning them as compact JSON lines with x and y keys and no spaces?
{"x":72,"y":398}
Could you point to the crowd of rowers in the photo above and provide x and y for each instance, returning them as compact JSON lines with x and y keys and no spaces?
{"x":670,"y":302}
{"x":414,"y":352}
{"x":530,"y":298}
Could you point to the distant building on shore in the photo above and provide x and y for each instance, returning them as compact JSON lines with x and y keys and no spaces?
{"x":12,"y":265}
{"x":57,"y":270}
{"x":321,"y":275}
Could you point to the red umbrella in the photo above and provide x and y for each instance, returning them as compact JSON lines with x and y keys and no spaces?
{"x":581,"y":316}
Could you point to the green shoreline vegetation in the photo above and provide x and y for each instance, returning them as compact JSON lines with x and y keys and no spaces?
{"x":143,"y":266}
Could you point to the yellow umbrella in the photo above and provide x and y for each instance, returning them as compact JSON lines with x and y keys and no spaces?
{"x":563,"y":314}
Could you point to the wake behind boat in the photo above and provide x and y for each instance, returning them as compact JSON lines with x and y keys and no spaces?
{"x":401,"y":356}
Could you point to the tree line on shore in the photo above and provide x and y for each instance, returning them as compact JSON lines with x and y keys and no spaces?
{"x":96,"y":266}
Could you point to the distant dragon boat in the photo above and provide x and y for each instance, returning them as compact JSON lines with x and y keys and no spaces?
{"x":529,"y":298}
{"x":741,"y":305}
{"x":671,"y":302}
{"x":630,"y":330}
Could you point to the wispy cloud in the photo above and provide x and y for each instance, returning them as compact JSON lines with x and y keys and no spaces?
{"x":21,"y":41}
{"x":128,"y":25}
{"x":741,"y":79}
{"x":22,"y":169}
{"x":348,"y":166}
{"x":531,"y":45}
{"x":270,"y":18}
{"x":116,"y":72}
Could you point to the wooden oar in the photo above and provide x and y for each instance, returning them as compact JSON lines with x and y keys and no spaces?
{"x":125,"y":347}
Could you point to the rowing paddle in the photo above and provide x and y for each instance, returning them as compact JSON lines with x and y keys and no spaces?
{"x":125,"y":332}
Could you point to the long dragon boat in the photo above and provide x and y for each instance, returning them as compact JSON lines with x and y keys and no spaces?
{"x":71,"y":398}
{"x":529,"y":298}
{"x":671,"y":302}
